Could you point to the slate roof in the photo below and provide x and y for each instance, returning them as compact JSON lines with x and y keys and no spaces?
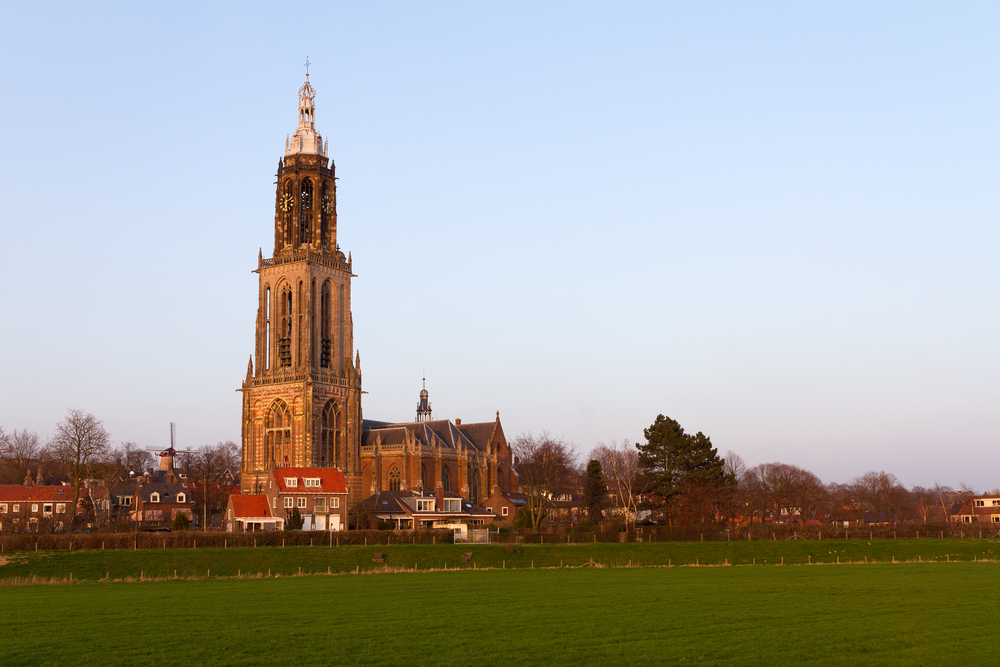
{"x":394,"y":502}
{"x":435,"y":433}
{"x":168,"y":493}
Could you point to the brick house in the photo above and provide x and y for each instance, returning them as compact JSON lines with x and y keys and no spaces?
{"x":159,"y":502}
{"x":407,"y":510}
{"x":978,"y":509}
{"x":319,"y":494}
{"x":34,"y":508}
{"x":250,"y":513}
{"x":504,"y":505}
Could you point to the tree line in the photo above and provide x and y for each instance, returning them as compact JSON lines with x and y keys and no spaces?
{"x":81,"y":453}
{"x":679,"y":479}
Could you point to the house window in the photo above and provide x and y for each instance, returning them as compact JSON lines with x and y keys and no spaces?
{"x":319,"y":504}
{"x":60,"y":508}
{"x":292,"y":481}
{"x":3,"y":508}
{"x":302,"y":503}
{"x":34,"y":508}
{"x":17,"y":508}
{"x":289,"y":503}
{"x":181,"y":498}
{"x":996,"y":518}
{"x":503,"y":511}
{"x":47,"y":508}
{"x":230,"y":514}
{"x":453,"y":505}
{"x":490,"y":510}
{"x":996,"y":503}
{"x":274,"y":502}
{"x":967,"y":519}
{"x":980,"y":503}
{"x":312,"y":483}
{"x":154,"y":497}
{"x":425,"y":505}
{"x":336,"y":503}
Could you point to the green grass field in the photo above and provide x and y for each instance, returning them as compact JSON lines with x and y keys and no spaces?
{"x":904,"y":614}
{"x":908,"y":613}
{"x":157,"y":563}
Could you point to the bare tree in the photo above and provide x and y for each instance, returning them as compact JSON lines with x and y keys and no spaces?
{"x":80,"y":442}
{"x":545,"y":468}
{"x":209,"y":467}
{"x":781,"y":488}
{"x":877,"y":492}
{"x":944,"y":496}
{"x":734,"y":466}
{"x":620,"y":465}
{"x":926,"y":501}
{"x":131,"y":458}
{"x":22,"y":449}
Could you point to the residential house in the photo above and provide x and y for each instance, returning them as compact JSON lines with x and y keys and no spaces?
{"x":250,"y":513}
{"x":504,"y":506}
{"x":407,"y":510}
{"x":977,"y":509}
{"x":319,"y":494}
{"x":157,"y":503}
{"x":32,"y":508}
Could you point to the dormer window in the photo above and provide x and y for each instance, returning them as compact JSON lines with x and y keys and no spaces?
{"x":181,"y":498}
{"x":291,"y":481}
{"x":154,"y":497}
{"x":453,"y":505}
{"x":425,"y":505}
{"x":312,"y":482}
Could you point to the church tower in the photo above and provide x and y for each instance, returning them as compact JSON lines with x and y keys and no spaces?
{"x":302,"y":393}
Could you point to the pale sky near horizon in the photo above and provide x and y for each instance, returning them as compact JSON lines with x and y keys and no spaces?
{"x":774,"y":222}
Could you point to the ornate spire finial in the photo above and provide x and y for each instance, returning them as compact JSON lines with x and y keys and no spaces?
{"x":307,"y":67}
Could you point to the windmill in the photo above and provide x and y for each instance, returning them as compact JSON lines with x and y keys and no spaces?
{"x":167,"y":455}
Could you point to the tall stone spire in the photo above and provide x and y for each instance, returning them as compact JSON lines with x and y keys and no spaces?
{"x":306,"y":139}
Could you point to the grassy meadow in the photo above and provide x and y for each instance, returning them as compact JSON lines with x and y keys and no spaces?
{"x":903,"y":614}
{"x":914,"y":602}
{"x":215,"y":562}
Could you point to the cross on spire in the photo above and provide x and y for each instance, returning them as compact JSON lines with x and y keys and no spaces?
{"x":307,"y":66}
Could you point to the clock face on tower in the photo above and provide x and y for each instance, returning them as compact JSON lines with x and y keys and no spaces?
{"x":327,"y":204}
{"x":286,"y":202}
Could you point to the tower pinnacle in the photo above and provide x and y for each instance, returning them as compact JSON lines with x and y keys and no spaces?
{"x":306,"y":139}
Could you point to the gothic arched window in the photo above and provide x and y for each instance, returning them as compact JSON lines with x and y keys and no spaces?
{"x":306,"y":204}
{"x":285,"y":333}
{"x":325,"y":313}
{"x":474,"y":495}
{"x":330,"y":432}
{"x":446,"y":479}
{"x":394,"y":478}
{"x":267,"y":328}
{"x":287,"y":206}
{"x":278,"y":433}
{"x":423,"y":478}
{"x":325,"y":208}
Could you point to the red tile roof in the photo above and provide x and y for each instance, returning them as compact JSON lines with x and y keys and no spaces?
{"x":249,"y":506}
{"x":331,"y":480}
{"x":20,"y":493}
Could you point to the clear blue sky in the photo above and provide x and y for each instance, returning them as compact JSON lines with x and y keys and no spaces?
{"x":775,"y":223}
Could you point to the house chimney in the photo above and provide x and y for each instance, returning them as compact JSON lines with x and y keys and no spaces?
{"x":458,"y":422}
{"x":440,"y":498}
